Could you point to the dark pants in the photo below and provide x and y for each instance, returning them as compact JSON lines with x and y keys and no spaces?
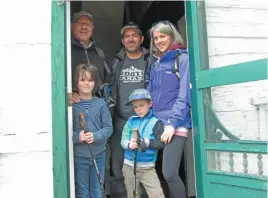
{"x":118,"y":189}
{"x":172,"y":155}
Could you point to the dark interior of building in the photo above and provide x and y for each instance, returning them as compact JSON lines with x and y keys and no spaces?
{"x":110,"y":16}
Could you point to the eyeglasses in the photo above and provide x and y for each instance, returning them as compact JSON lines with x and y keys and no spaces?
{"x":85,"y":24}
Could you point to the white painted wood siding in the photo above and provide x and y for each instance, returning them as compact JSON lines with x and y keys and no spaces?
{"x":237,"y":32}
{"x":25,"y":102}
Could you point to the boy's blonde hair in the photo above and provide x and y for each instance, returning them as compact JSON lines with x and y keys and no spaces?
{"x":81,"y":71}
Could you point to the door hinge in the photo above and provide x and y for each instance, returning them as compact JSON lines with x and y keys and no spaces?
{"x":69,"y":99}
{"x":61,"y":2}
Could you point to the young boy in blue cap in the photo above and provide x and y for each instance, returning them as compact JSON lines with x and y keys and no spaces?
{"x":150,"y":130}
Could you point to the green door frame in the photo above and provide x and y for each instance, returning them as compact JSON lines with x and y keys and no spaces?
{"x":59,"y":102}
{"x":197,"y":42}
{"x":194,"y":61}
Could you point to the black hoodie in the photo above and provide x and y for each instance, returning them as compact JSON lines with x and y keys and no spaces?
{"x":82,"y":55}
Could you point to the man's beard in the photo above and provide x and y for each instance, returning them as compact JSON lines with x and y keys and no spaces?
{"x":132,"y":50}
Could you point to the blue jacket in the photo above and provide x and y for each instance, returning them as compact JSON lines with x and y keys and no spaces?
{"x":149,"y":128}
{"x":170,"y":95}
{"x":98,"y":121}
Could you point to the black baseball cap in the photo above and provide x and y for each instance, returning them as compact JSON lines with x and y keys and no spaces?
{"x":131,"y":25}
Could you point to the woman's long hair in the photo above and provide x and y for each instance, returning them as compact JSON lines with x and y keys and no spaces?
{"x":164,"y":27}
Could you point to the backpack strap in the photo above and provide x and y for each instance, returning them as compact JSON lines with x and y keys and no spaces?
{"x":177,"y":71}
{"x":176,"y":66}
{"x":117,"y":66}
{"x":105,"y":88}
{"x":102,"y":56}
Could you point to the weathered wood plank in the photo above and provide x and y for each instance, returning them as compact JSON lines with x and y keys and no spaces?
{"x":241,"y":4}
{"x":235,"y":109}
{"x":238,"y":97}
{"x":237,"y":30}
{"x":236,"y":15}
{"x":29,"y":28}
{"x":33,"y":73}
{"x":26,"y":143}
{"x":229,"y":59}
{"x":243,"y":124}
{"x":223,"y":46}
{"x":26,"y":175}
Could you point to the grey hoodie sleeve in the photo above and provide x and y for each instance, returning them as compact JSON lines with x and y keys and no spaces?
{"x":106,"y":129}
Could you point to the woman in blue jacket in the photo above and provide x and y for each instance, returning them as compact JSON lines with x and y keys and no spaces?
{"x":168,"y":81}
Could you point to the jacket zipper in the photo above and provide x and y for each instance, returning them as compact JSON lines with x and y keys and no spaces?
{"x":157,"y":84}
{"x":160,"y":87}
{"x":86,"y":56}
{"x":154,"y":81}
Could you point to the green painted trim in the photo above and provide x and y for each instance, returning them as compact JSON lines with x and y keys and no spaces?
{"x":252,"y":142}
{"x":234,"y":180}
{"x":59,"y":113}
{"x":215,"y":122}
{"x":228,"y":174}
{"x":193,"y":19}
{"x":252,"y":71}
{"x":241,"y":147}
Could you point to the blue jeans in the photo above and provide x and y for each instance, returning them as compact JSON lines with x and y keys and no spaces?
{"x":86,"y":180}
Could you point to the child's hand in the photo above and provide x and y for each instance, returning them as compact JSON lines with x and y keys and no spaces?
{"x":132,"y":144}
{"x":82,"y":137}
{"x":89,"y":138}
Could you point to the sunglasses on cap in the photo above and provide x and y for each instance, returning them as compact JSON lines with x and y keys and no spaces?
{"x":163,"y":22}
{"x":132,"y":24}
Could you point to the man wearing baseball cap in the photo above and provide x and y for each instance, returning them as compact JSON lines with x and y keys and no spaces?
{"x":129,"y":67}
{"x":130,"y":25}
{"x":84,"y":50}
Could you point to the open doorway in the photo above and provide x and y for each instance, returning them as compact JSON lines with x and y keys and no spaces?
{"x":110,"y":17}
{"x":144,"y":13}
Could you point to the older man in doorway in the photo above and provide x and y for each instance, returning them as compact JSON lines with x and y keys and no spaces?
{"x":84,"y":50}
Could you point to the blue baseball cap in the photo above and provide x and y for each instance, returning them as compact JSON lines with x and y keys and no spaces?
{"x":138,"y":94}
